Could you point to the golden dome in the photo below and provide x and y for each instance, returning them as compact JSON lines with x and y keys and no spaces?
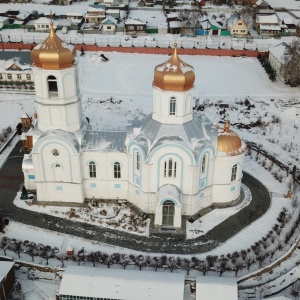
{"x":229,"y":142}
{"x":174,"y":74}
{"x":53,"y":53}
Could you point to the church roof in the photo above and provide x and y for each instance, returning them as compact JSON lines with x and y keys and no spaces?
{"x":104,"y":141}
{"x":53,"y":53}
{"x":174,"y":74}
{"x":192,"y":135}
{"x":69,"y":136}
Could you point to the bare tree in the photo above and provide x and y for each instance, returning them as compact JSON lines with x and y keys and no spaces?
{"x":30,"y":249}
{"x":291,"y":67}
{"x":61,"y":256}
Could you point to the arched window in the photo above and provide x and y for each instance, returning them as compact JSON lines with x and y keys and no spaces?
{"x":168,"y":213}
{"x":233,"y":173}
{"x":172,"y":106}
{"x":203,"y":164}
{"x":117,"y":170}
{"x":170,"y":168}
{"x":138,"y":161}
{"x":52,"y":86}
{"x":92,"y":169}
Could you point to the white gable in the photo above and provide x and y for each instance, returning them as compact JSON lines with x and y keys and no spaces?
{"x":216,"y":288}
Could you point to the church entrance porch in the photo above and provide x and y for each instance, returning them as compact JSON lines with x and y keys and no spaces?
{"x":168,"y":207}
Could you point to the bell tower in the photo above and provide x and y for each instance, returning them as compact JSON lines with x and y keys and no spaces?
{"x":173,"y":86}
{"x":57,"y":98}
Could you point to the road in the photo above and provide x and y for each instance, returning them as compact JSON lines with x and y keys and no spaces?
{"x":11,"y":179}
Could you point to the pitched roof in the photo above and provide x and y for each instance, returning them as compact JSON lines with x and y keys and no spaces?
{"x":278,"y":51}
{"x":269,"y":19}
{"x":233,"y":19}
{"x":110,"y":20}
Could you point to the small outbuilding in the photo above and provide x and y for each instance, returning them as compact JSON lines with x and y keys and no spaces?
{"x":216,"y":288}
{"x":103,"y":283}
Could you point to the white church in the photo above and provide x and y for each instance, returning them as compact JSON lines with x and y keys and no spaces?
{"x":171,"y":164}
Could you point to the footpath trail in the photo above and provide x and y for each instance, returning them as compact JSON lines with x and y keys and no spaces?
{"x":11,"y":179}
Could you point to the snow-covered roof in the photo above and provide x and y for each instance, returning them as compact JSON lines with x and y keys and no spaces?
{"x":104,"y":141}
{"x":14,"y":61}
{"x":278,"y":51}
{"x":214,"y":22}
{"x":233,"y":19}
{"x":134,"y":22}
{"x":122,"y":284}
{"x":175,"y":24}
{"x":95,"y":9}
{"x":268,"y":19}
{"x":5,"y":267}
{"x":3,"y":19}
{"x":69,"y":136}
{"x":192,"y":135}
{"x":270,"y":27}
{"x":215,"y":288}
{"x":112,"y":11}
{"x":74,"y":14}
{"x":110,"y":20}
{"x":172,"y":15}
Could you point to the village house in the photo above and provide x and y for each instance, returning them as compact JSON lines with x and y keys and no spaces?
{"x":43,"y":24}
{"x":135,"y":27}
{"x":15,"y":71}
{"x":109,"y":2}
{"x":237,"y":26}
{"x":174,"y":23}
{"x":76,"y":18}
{"x":95,"y":14}
{"x":109,"y":25}
{"x":267,"y":25}
{"x":276,"y":59}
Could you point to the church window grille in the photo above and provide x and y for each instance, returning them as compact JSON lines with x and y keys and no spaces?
{"x":19,"y":76}
{"x":92,"y":169}
{"x":28,"y":76}
{"x":9,"y":76}
{"x":168,"y":213}
{"x":233,"y":173}
{"x":203,"y":165}
{"x":52,"y":86}
{"x":172,"y":106}
{"x":117,"y":170}
{"x":138,"y":161}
